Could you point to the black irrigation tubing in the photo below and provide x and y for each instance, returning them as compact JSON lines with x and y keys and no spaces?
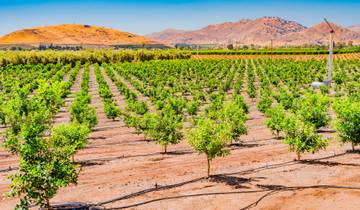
{"x":258,"y":200}
{"x":189,"y":195}
{"x":270,"y":191}
{"x":156,"y":188}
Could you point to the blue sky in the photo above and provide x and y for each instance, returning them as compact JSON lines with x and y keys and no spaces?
{"x":144,"y":17}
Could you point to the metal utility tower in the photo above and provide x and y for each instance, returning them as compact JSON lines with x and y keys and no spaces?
{"x":316,"y":85}
{"x":332,"y":32}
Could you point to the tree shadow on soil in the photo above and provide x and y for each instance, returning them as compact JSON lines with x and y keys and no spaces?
{"x":268,"y":189}
{"x":233,"y":181}
{"x":327,"y":163}
{"x":243,"y":145}
{"x":279,"y":165}
{"x":101,"y":161}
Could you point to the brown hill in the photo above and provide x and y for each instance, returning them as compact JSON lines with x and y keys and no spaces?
{"x":73,"y":34}
{"x":355,"y":28}
{"x":259,"y":32}
{"x":319,"y":34}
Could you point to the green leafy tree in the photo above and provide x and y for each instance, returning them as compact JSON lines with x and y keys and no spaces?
{"x":44,"y":168}
{"x":72,"y":136}
{"x":301,"y":136}
{"x":51,"y":95}
{"x":210,"y":138}
{"x":348,"y":121}
{"x":235,"y":117}
{"x":275,"y":120}
{"x":163,"y":127}
{"x":264,"y":104}
{"x":44,"y":165}
{"x":81,"y":112}
{"x":111,"y":110}
{"x":313,"y":109}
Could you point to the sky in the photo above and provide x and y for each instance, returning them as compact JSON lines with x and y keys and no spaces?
{"x":144,"y":17}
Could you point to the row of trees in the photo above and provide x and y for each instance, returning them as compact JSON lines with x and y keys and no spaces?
{"x":83,"y":56}
{"x":297,"y":114}
{"x":45,"y":152}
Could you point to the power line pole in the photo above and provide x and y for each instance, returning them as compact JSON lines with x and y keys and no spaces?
{"x":331,"y":46}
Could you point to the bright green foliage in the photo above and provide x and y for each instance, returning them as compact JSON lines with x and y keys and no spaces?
{"x":135,"y":122}
{"x":111,"y":110}
{"x":44,"y":168}
{"x":23,"y":114}
{"x":241,"y":103}
{"x":264,"y":104}
{"x":235,"y":117}
{"x":210,"y":138}
{"x":313,"y":109}
{"x":301,"y":136}
{"x":286,"y":99}
{"x":192,"y":107}
{"x":163,"y":127}
{"x":348,"y":120}
{"x":324,"y":89}
{"x":136,"y":106}
{"x":45,"y":165}
{"x":51,"y":95}
{"x":71,"y":136}
{"x":81,"y":112}
{"x":353,"y":89}
{"x":275,"y":119}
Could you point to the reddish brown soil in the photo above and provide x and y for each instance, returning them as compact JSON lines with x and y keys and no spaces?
{"x":123,"y":170}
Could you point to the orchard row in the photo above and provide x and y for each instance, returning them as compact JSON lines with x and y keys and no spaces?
{"x":199,"y":101}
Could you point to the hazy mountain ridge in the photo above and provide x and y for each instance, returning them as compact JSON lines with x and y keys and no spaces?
{"x":355,"y":28}
{"x":259,"y":32}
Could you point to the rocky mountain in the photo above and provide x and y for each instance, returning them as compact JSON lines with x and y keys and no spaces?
{"x":73,"y":34}
{"x":355,"y":28}
{"x":259,"y":32}
{"x":319,"y":34}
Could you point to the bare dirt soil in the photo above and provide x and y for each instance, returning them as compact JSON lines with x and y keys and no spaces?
{"x":121,"y":170}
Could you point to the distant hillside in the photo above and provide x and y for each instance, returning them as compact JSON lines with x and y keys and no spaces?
{"x":259,"y":32}
{"x":355,"y":28}
{"x":319,"y":34}
{"x":73,"y":34}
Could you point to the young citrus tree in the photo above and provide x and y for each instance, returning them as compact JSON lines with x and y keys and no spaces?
{"x":235,"y":117}
{"x":313,"y":109}
{"x":163,"y":127}
{"x":348,"y":121}
{"x":275,"y":119}
{"x":81,"y":112}
{"x":111,"y":110}
{"x":301,"y":136}
{"x":72,"y":136}
{"x":210,"y":138}
{"x":44,"y":165}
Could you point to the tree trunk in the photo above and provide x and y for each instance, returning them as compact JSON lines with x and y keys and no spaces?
{"x":48,"y":206}
{"x":208,"y":168}
{"x":165,"y":148}
{"x":352,"y":146}
{"x":298,"y":155}
{"x":73,"y":159}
